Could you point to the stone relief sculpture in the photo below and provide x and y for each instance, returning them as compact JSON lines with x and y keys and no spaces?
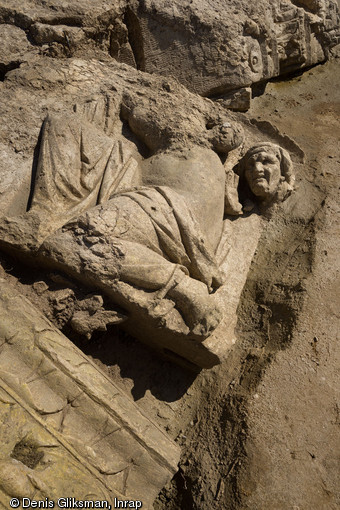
{"x":143,"y":232}
{"x":129,"y":198}
{"x":268,"y":170}
{"x":83,"y":434}
{"x":258,"y":42}
{"x":212,"y":50}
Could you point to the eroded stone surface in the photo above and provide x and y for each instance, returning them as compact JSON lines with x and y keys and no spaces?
{"x":212,"y":48}
{"x":75,"y":423}
{"x":15,"y":48}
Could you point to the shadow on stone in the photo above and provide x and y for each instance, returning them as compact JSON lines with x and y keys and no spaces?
{"x":165,"y":380}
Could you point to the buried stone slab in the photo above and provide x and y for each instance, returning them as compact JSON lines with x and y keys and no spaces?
{"x":213,"y":49}
{"x":67,"y":426}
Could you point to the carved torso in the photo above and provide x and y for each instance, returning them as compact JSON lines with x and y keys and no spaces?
{"x":199,"y":176}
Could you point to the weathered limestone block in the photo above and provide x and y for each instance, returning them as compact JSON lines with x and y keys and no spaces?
{"x":228,"y":45}
{"x":211,"y":49}
{"x":42,"y":34}
{"x":67,"y":429}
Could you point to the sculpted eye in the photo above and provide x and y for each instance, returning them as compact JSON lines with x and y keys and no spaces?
{"x":255,"y":58}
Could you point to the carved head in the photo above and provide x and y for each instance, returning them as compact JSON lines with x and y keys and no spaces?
{"x":268,"y":170}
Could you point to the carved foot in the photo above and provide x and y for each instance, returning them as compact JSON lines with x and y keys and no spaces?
{"x":199,"y":309}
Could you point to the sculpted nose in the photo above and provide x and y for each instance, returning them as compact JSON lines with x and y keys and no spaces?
{"x":258,"y":167}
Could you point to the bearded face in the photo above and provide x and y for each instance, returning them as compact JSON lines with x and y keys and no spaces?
{"x":263,"y":173}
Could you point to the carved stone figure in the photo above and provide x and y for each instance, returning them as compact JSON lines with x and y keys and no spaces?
{"x":144,"y":233}
{"x":160,"y":236}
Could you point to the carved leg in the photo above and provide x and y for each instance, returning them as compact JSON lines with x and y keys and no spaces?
{"x":200,"y":309}
{"x":133,"y":276}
